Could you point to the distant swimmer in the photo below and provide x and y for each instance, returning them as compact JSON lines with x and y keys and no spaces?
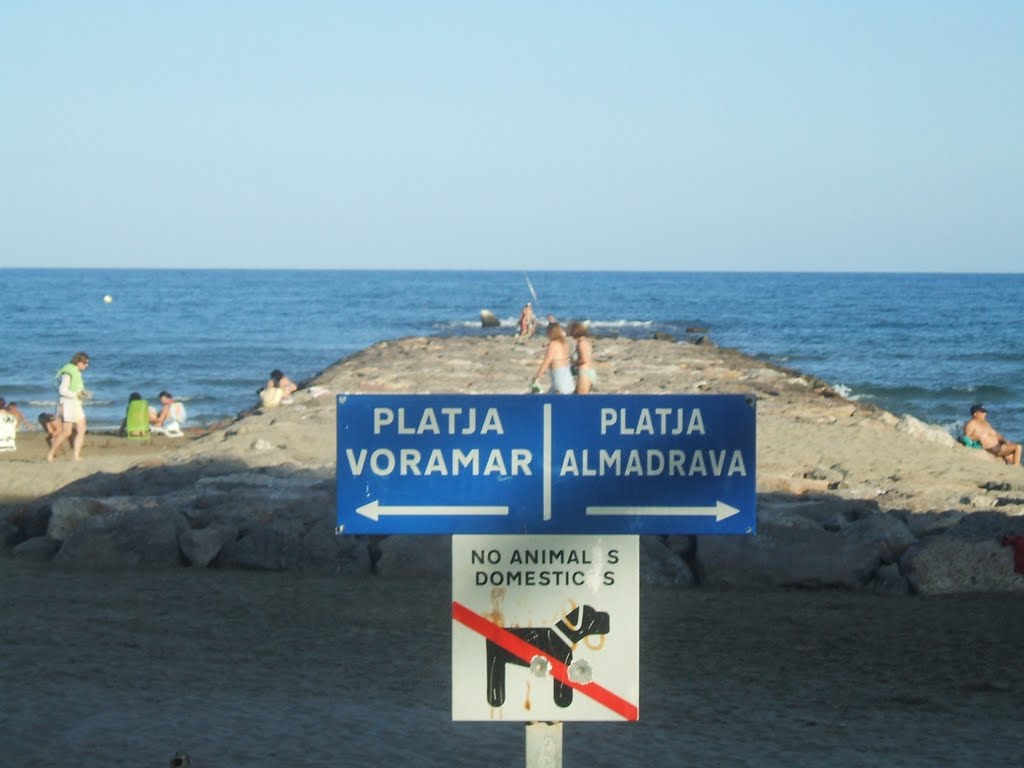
{"x":979,"y":429}
{"x":71,"y":390}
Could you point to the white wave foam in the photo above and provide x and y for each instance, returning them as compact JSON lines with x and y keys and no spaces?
{"x":845,"y":391}
{"x":620,"y":323}
{"x":506,"y":322}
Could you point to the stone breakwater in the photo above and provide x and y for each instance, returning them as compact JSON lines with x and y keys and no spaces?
{"x":849,"y":495}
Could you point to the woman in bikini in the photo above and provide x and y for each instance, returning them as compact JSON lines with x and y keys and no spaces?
{"x":586,"y":374}
{"x":556,"y":359}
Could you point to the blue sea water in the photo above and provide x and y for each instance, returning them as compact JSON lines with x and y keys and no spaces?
{"x":924,"y":344}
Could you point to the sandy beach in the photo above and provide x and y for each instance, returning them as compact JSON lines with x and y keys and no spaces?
{"x":125,"y":666}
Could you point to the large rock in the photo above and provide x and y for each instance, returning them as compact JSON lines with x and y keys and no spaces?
{"x":928,"y":433}
{"x":69,"y":513}
{"x":200,"y":546}
{"x":791,"y":550}
{"x":890,"y":581}
{"x":660,"y":565}
{"x":949,"y":564}
{"x":147,"y":536}
{"x":887,"y":532}
{"x":37,"y":549}
{"x":272,"y":546}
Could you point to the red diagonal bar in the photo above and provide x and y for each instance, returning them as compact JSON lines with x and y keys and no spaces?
{"x":525,"y":651}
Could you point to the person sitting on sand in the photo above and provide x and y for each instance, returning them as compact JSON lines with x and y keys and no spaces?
{"x":556,"y":358}
{"x":979,"y":429}
{"x":583,"y":357}
{"x":8,"y":430}
{"x":15,"y":411}
{"x":277,"y":391}
{"x":135,"y":423}
{"x":171,"y":416}
{"x":282,"y":382}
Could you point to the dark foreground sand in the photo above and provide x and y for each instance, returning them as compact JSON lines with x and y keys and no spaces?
{"x":281,"y":669}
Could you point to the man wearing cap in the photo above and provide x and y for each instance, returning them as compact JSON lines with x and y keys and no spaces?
{"x":979,"y":429}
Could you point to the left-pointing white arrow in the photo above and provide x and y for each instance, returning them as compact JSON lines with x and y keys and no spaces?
{"x":720,"y":511}
{"x":375,"y":511}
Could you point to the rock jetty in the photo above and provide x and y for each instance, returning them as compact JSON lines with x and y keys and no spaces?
{"x":849,"y":495}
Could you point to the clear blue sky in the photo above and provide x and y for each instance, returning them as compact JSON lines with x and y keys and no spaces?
{"x":527,"y":135}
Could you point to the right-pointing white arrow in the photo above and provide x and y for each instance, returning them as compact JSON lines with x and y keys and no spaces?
{"x":720,"y":511}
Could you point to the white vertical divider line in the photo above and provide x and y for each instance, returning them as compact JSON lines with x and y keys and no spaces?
{"x":547,"y":461}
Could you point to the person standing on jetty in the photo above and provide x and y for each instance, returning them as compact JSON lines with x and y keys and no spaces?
{"x":72,"y":391}
{"x":586,"y":374}
{"x":527,"y":321}
{"x":979,"y":429}
{"x":556,"y":358}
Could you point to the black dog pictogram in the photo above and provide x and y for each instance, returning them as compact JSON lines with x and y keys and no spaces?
{"x":557,"y":641}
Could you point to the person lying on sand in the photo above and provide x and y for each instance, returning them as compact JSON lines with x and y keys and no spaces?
{"x":979,"y":429}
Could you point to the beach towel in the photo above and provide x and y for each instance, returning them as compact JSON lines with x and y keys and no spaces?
{"x":8,"y":431}
{"x":969,"y":442}
{"x":136,"y":420}
{"x":170,"y":428}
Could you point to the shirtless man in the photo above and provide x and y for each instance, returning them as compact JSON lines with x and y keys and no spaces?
{"x":979,"y":429}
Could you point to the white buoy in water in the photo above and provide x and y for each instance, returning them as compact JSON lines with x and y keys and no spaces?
{"x":108,"y":299}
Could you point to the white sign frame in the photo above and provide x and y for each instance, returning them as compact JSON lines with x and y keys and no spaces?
{"x":545,"y":628}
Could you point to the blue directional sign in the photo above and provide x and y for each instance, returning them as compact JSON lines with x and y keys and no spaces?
{"x":546,"y":464}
